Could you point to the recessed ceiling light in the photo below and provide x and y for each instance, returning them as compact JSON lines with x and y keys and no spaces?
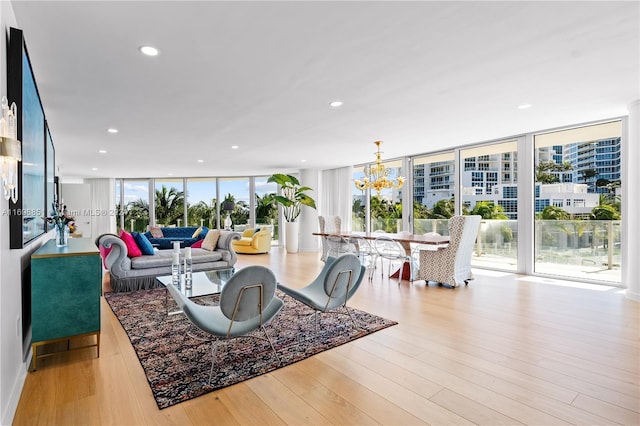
{"x":149,"y":50}
{"x":303,"y":161}
{"x":524,"y":106}
{"x":200,"y":161}
{"x":234,"y":147}
{"x":94,"y":168}
{"x":335,"y":104}
{"x":103,"y":151}
{"x":112,"y":130}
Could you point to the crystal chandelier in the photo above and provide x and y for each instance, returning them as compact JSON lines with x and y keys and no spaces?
{"x":10,"y":150}
{"x":377,"y":175}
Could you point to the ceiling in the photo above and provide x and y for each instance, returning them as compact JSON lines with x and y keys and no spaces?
{"x":420,"y":76}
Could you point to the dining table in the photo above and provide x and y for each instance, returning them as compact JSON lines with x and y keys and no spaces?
{"x":436,"y":241}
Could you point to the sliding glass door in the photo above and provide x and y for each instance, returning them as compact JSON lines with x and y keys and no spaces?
{"x":434,"y":180}
{"x":489,"y":188}
{"x":577,"y":202}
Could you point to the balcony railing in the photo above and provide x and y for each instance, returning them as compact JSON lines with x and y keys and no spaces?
{"x":573,"y":249}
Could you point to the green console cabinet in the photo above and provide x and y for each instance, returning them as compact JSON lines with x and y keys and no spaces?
{"x":66,"y":285}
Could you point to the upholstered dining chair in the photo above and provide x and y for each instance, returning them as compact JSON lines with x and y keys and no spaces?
{"x":452,"y":265}
{"x":393,"y":252}
{"x":247,"y":302}
{"x":332,"y":288}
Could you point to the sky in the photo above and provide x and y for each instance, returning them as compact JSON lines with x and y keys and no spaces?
{"x":198,"y":189}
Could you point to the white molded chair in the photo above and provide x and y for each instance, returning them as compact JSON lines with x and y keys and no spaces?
{"x":393,"y":251}
{"x":452,"y":265}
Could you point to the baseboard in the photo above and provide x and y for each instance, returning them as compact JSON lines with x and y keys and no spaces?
{"x":9,"y":411}
{"x":631,"y":295}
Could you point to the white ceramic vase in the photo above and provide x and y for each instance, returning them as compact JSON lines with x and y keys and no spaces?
{"x":291,"y":231}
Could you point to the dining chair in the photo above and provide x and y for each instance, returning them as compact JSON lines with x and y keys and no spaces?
{"x":367,"y":254}
{"x":337,"y":246}
{"x":248,"y":301}
{"x":331,"y":245}
{"x":392,"y":251}
{"x":452,"y":265}
{"x":415,"y":251}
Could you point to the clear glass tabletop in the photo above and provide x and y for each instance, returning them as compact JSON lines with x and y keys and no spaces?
{"x":203,"y":283}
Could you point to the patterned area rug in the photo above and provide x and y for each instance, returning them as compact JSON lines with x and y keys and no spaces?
{"x":177,"y":365}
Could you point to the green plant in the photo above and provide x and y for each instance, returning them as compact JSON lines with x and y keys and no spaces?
{"x":293,"y":196}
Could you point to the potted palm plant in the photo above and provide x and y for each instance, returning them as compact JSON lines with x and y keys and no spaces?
{"x":292,"y":199}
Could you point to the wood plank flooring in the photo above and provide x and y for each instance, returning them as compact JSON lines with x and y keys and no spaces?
{"x":505,"y":350}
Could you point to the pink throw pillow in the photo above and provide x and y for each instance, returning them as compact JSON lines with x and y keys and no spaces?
{"x":197,"y":244}
{"x":132,"y":247}
{"x":103,"y":253}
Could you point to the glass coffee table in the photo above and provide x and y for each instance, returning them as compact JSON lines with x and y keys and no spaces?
{"x":203,"y":284}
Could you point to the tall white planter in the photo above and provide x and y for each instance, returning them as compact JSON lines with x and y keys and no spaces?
{"x":291,"y":231}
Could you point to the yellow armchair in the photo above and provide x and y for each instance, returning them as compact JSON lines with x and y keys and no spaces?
{"x":253,"y":242}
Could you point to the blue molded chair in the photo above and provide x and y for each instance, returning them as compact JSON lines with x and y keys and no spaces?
{"x":333,"y":287}
{"x":247,"y":303}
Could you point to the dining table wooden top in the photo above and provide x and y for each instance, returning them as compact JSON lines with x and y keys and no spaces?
{"x":403,"y":237}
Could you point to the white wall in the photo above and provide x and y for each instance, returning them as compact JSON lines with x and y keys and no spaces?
{"x":13,"y":366}
{"x":309,"y":217}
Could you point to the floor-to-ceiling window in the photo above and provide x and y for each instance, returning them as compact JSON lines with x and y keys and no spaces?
{"x":134,"y":207}
{"x":489,"y":188}
{"x":266,"y":210}
{"x":434,"y":180}
{"x":385,"y":203}
{"x":235,"y":201}
{"x":201,"y":202}
{"x":577,"y":202}
{"x":169,"y":202}
{"x":359,"y":203}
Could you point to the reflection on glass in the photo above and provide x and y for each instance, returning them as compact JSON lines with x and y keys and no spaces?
{"x":578,"y":202}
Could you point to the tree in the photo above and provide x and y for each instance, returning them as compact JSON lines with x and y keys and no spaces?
{"x":266,"y":208}
{"x":604,"y":212}
{"x":443,"y":209}
{"x":488,"y":210}
{"x":169,"y":205}
{"x":546,"y":171}
{"x":357,"y":209}
{"x":420,"y":211}
{"x":554,"y":213}
{"x":602,"y":182}
{"x":139,"y":212}
{"x":587,"y":174}
{"x":203,"y":212}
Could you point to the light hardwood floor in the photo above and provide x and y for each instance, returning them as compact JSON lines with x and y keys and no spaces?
{"x":506,"y":349}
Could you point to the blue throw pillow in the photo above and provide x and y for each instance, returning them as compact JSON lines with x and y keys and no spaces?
{"x":143,"y":243}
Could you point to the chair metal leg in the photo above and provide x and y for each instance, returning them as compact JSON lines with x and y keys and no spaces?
{"x":273,"y":348}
